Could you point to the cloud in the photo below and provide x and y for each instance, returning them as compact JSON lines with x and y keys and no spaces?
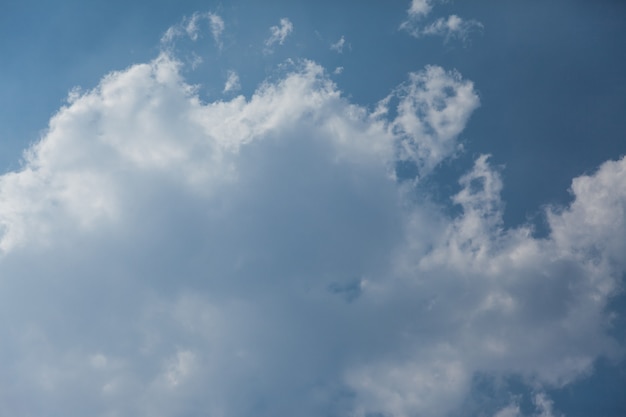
{"x":543,"y":408}
{"x":450,"y":27}
{"x":512,"y":410}
{"x":161,"y":255}
{"x":420,"y":8}
{"x":432,"y":110}
{"x":232,"y":82}
{"x":217,"y":27}
{"x":279,"y":33}
{"x":191,"y":27}
{"x":338,"y":46}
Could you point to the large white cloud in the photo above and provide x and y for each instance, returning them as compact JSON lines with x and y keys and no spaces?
{"x":166,"y":256}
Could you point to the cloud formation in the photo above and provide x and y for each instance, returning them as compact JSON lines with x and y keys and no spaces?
{"x":338,"y":46}
{"x":279,"y":33}
{"x":449,"y":28}
{"x":191,"y":27}
{"x":419,"y":8}
{"x":259,"y":256}
{"x":232,"y":82}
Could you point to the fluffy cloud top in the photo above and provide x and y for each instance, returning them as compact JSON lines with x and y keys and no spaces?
{"x":165,"y":256}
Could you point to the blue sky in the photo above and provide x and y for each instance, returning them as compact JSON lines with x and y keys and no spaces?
{"x":312,"y":208}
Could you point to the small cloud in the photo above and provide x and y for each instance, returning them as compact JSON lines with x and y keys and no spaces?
{"x":192,"y":27}
{"x":544,"y":406}
{"x":279,"y":33}
{"x":452,"y":27}
{"x":420,"y":8}
{"x":449,"y":27}
{"x":170,"y":34}
{"x":338,"y":70}
{"x":232,"y":82}
{"x":217,"y":27}
{"x":338,"y":46}
{"x":195,"y":60}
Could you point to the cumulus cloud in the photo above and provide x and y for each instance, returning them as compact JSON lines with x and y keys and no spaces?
{"x":279,"y":33}
{"x":161,"y":255}
{"x":449,"y":27}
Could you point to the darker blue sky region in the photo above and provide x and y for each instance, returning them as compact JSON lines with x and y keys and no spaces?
{"x":551,"y":78}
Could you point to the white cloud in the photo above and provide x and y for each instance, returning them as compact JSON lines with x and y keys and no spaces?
{"x":192,"y":27}
{"x":450,"y":27}
{"x":170,"y":35}
{"x":433,"y":110}
{"x":419,"y":8}
{"x":165,"y":256}
{"x":338,"y":46}
{"x":217,"y":27}
{"x":232,"y":82}
{"x":279,"y":33}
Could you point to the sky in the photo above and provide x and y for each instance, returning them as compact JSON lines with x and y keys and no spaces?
{"x":293,"y":208}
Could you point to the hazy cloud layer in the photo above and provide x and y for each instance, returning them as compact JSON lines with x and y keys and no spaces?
{"x":165,"y":256}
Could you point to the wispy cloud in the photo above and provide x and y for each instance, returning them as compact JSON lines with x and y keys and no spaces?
{"x":192,"y":28}
{"x":217,"y":27}
{"x":279,"y":33}
{"x":232,"y":82}
{"x":339,"y":45}
{"x":449,"y":27}
{"x":420,"y":8}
